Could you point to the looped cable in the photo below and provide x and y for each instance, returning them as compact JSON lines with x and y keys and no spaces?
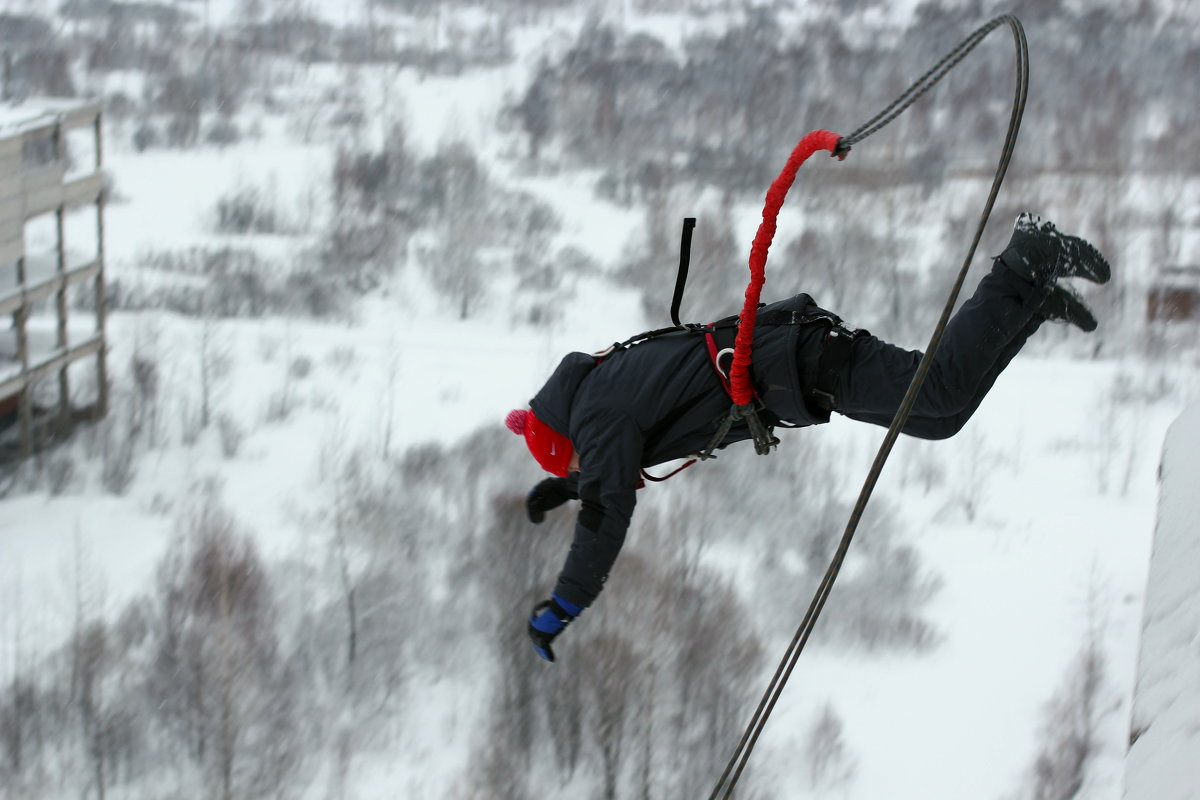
{"x":741,"y":756}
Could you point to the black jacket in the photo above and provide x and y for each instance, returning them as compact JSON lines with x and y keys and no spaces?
{"x":653,"y":402}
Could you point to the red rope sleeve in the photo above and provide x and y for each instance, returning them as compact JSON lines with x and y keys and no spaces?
{"x":739,"y":373}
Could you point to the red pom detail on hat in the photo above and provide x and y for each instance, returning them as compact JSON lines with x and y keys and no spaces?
{"x":515,"y":421}
{"x":550,"y":448}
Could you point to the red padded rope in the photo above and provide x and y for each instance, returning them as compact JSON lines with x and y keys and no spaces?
{"x":739,"y":373}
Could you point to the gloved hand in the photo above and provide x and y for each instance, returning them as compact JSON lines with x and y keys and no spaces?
{"x":550,"y":493}
{"x":548,"y":619}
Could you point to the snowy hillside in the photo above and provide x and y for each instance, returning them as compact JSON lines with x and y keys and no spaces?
{"x":1164,"y":759}
{"x":344,"y":238}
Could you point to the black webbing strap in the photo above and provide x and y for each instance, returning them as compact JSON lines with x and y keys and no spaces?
{"x":797,"y":317}
{"x":835,"y":353}
{"x":726,"y":329}
{"x":685,"y":259}
{"x":558,"y":611}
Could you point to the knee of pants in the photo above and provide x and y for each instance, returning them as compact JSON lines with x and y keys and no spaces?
{"x":943,"y":396}
{"x":935,"y":428}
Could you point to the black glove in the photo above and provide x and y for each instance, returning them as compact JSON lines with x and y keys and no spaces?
{"x":548,"y":619}
{"x":550,"y":493}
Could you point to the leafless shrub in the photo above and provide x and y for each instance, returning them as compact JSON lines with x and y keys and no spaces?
{"x":220,"y":684}
{"x":223,"y":132}
{"x":342,"y":359}
{"x":60,"y":471}
{"x":118,"y":435}
{"x":300,"y":368}
{"x":231,"y":282}
{"x":1069,"y":733}
{"x":280,"y":405}
{"x":214,"y":362}
{"x":246,"y":210}
{"x":829,"y":763}
{"x":1069,"y":740}
{"x":232,"y":435}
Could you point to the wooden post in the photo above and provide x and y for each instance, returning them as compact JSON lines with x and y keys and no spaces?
{"x":24,"y":401}
{"x":61,"y":341}
{"x":101,"y":295}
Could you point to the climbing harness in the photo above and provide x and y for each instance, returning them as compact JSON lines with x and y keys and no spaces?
{"x":720,"y":340}
{"x":739,"y":374}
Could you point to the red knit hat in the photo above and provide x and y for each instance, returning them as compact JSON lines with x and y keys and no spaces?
{"x":551,"y":449}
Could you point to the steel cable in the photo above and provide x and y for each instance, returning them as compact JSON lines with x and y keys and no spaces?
{"x":741,"y":756}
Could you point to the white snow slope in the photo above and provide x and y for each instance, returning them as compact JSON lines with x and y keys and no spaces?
{"x":1164,"y":760}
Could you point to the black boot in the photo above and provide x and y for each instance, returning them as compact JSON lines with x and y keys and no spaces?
{"x":1064,"y":305}
{"x":1041,"y":254}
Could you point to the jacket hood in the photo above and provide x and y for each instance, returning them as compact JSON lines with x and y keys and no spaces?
{"x":552,"y":403}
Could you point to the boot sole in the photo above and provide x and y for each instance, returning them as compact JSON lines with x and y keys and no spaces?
{"x":1079,"y":253}
{"x":1063,"y":305}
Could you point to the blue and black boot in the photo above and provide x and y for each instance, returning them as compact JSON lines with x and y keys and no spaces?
{"x":1041,"y":254}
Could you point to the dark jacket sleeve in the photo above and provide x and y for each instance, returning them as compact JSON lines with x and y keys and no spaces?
{"x":610,"y":452}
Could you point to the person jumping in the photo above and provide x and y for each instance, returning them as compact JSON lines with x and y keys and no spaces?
{"x":599,"y":420}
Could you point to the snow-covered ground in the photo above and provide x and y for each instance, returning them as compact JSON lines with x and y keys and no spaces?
{"x":1040,"y":532}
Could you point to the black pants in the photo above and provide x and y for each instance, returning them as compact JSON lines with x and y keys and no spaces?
{"x":980,"y":339}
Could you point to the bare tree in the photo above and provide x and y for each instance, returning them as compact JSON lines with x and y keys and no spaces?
{"x":454,"y":260}
{"x":220,"y":683}
{"x":93,"y":660}
{"x":603,"y":712}
{"x":21,"y":720}
{"x":387,"y":398}
{"x":213,"y":365}
{"x":118,"y":435}
{"x":343,"y":474}
{"x":609,"y":695}
{"x":1071,"y":719}
{"x":829,"y":763}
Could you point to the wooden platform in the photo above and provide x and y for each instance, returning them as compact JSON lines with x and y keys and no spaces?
{"x":38,"y":176}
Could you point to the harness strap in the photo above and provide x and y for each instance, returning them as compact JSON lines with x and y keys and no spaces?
{"x":671,"y":474}
{"x":780,"y":317}
{"x":715,"y":354}
{"x":835,"y":353}
{"x":685,"y":257}
{"x":720,"y":339}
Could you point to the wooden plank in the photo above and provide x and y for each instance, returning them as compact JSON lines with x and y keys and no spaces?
{"x":81,"y":115}
{"x":36,"y":292}
{"x":43,"y":190}
{"x":83,"y":273}
{"x":11,"y":185}
{"x":12,"y":218}
{"x":12,"y":386}
{"x":11,"y":250}
{"x":62,"y":358}
{"x":82,"y":191}
{"x":11,"y":302}
{"x":40,"y":291}
{"x":40,"y":132}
